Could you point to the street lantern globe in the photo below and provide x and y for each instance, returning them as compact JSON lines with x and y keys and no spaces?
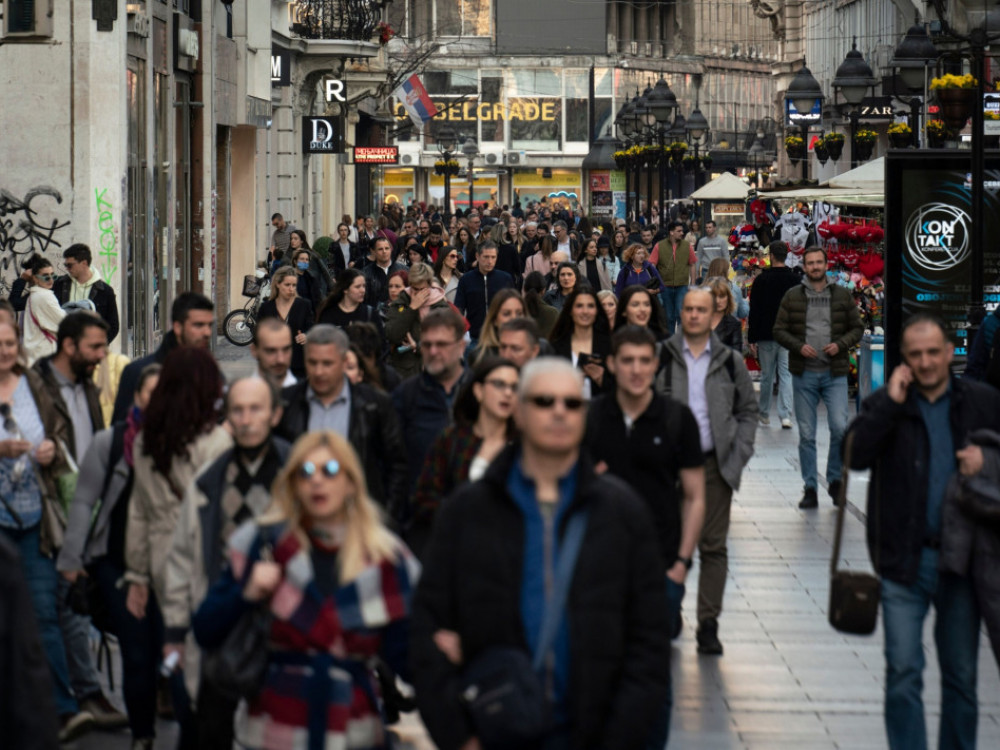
{"x":644,"y":117}
{"x":679,"y":129}
{"x":662,"y":102}
{"x":854,"y":77}
{"x":757,"y":149}
{"x":697,"y":125}
{"x":470,"y":148}
{"x":803,"y":91}
{"x":446,"y":138}
{"x":912,"y":56}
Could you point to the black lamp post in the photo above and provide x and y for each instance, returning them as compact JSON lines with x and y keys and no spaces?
{"x":623,"y":124}
{"x":446,"y":139}
{"x":644,"y":122}
{"x":756,"y":153}
{"x":663,"y":104}
{"x":912,"y":58}
{"x":803,"y":92}
{"x":471,"y":150}
{"x":852,"y":81}
{"x":697,"y":128}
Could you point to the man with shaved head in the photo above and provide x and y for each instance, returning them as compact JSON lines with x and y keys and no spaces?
{"x":230,"y":490}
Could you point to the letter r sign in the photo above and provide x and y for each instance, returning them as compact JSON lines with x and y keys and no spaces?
{"x":335,"y":90}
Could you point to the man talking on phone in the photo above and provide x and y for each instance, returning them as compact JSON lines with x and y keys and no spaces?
{"x":912,"y":433}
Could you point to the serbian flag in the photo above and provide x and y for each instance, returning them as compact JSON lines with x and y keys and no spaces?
{"x":414,"y":97}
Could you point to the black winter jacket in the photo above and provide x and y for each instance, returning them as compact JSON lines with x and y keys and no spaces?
{"x":373,"y":430}
{"x":892,"y":441}
{"x":845,"y":327}
{"x":44,"y":369}
{"x":132,"y":371}
{"x":765,"y":298}
{"x":616,"y":609}
{"x":101,"y":294}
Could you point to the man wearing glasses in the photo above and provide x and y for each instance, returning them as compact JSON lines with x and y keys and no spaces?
{"x":424,"y":401}
{"x":543,"y":537}
{"x":282,"y":236}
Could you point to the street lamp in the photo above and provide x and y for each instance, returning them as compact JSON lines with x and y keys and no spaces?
{"x":804,"y":92}
{"x":697,"y":128}
{"x":644,"y":120}
{"x":446,"y":139}
{"x":853,"y":79}
{"x":756,"y":153}
{"x":471,"y":150}
{"x":912,"y":57}
{"x":662,"y":103}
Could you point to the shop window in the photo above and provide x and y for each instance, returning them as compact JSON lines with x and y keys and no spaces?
{"x":27,"y":18}
{"x":492,"y":98}
{"x":535,"y":123}
{"x":577,"y":127}
{"x":463,"y":18}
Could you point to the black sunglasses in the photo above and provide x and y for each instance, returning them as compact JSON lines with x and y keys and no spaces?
{"x":330,"y":469}
{"x":548,"y":402}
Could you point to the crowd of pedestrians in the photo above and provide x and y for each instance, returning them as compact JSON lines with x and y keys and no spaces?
{"x":478,"y":458}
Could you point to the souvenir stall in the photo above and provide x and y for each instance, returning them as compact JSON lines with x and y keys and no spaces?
{"x":724,"y":200}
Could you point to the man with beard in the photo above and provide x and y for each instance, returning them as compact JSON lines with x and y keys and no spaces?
{"x":818,"y":323}
{"x":68,"y":377}
{"x":230,"y":490}
{"x":272,"y":348}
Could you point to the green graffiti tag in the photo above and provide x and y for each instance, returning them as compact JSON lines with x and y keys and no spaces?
{"x":108,"y":235}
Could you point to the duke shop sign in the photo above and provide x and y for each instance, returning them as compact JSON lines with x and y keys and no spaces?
{"x":322,"y":135}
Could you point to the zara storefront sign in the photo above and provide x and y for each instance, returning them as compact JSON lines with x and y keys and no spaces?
{"x":322,"y":135}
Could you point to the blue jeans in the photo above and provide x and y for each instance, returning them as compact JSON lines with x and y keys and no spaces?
{"x":956,"y":635}
{"x":773,"y":360}
{"x":810,"y":387}
{"x":672,"y":299}
{"x":43,"y":584}
{"x":76,"y":637}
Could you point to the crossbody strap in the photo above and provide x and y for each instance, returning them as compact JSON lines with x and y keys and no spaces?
{"x":50,"y":337}
{"x":569,"y":551}
{"x":842,"y":500}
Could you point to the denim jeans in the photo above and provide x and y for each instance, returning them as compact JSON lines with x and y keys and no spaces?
{"x":672,"y":299}
{"x":810,"y":387}
{"x":773,"y":360}
{"x":43,"y":584}
{"x":76,"y":637}
{"x":140,"y":644}
{"x":956,"y":635}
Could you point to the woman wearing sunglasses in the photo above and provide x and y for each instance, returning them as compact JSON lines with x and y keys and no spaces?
{"x":338,"y":590}
{"x":42,"y":313}
{"x":483,"y":426}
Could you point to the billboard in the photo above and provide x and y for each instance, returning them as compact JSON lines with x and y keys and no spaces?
{"x":928,"y":244}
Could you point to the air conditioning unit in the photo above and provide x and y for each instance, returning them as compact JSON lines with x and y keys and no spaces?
{"x":516,"y":158}
{"x":493,"y":159}
{"x":409,"y":153}
{"x":407,"y":159}
{"x":492,"y":154}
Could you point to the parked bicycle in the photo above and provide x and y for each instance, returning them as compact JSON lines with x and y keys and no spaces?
{"x":239,"y":325}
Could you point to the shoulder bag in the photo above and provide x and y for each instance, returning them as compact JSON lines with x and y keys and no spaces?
{"x":502,"y":688}
{"x":854,"y":595}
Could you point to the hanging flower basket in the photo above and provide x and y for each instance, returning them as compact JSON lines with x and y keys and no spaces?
{"x":706,"y":161}
{"x":449,"y":167}
{"x":834,"y":143}
{"x":863,"y":150}
{"x":937,"y":133}
{"x":689,"y":163}
{"x":900,"y":135}
{"x":956,"y":96}
{"x":795,"y":147}
{"x":621,"y":159}
{"x":822,"y":154}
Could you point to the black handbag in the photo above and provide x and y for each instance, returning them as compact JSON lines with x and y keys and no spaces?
{"x":854,"y":595}
{"x":237,"y":667}
{"x":502,"y":688}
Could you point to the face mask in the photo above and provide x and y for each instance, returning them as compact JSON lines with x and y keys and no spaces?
{"x":302,"y":266}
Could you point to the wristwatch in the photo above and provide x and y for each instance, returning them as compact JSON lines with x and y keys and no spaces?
{"x":688,"y":562}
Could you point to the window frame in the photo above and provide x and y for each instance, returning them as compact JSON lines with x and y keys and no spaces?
{"x":43,"y":26}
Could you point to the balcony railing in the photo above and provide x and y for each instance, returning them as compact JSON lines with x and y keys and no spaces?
{"x":356,"y":20}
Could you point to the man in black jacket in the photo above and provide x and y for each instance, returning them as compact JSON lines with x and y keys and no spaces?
{"x":477,"y":287}
{"x":377,"y":273}
{"x":84,"y":282}
{"x":484,"y":584}
{"x":768,"y":290}
{"x":192,"y":324}
{"x":326,"y":400}
{"x":912,"y":434}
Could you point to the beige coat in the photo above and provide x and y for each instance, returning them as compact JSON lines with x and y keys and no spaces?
{"x":154,"y":510}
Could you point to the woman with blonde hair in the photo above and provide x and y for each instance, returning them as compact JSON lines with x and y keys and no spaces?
{"x":506,"y":304}
{"x":337,"y":584}
{"x":720,"y":267}
{"x":724,"y":323}
{"x":286,"y":304}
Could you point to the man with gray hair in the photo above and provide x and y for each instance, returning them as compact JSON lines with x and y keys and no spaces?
{"x":539,"y":548}
{"x":564,"y":243}
{"x":326,"y":400}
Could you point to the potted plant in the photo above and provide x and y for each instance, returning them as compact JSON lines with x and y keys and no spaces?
{"x":706,"y":161}
{"x":689,"y":162}
{"x":900,"y":135}
{"x":956,"y":95}
{"x":621,"y":159}
{"x":795,"y":147}
{"x":937,"y":133}
{"x":442,"y":167}
{"x":834,"y":143}
{"x":385,"y":33}
{"x":821,"y":151}
{"x":864,"y":143}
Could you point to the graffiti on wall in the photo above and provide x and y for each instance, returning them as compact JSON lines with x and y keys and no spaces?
{"x":28,"y":226}
{"x":108,"y":235}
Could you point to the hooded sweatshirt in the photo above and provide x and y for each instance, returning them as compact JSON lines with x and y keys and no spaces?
{"x":80,"y":291}
{"x":818,"y":329}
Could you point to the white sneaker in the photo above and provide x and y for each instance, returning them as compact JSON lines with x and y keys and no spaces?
{"x":786,"y":424}
{"x":764,"y":419}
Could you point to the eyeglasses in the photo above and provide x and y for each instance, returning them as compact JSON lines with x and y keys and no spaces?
{"x":330,"y":469}
{"x":502,"y":385}
{"x":46,"y":277}
{"x":430,"y":345}
{"x":572,"y":403}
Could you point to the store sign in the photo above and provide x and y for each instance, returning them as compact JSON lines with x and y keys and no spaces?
{"x":281,"y":66}
{"x":543,"y":110}
{"x":877,"y":108}
{"x":321,"y":135}
{"x":928,"y":259}
{"x":991,"y":108}
{"x":812,"y":117}
{"x":335,"y":90}
{"x":379,"y":155}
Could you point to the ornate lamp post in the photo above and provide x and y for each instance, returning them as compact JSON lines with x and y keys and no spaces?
{"x":662,"y":102}
{"x":803,"y":92}
{"x":912,"y":58}
{"x":852,"y":81}
{"x":471,"y":150}
{"x":446,"y":139}
{"x":645,"y":121}
{"x":697,"y":128}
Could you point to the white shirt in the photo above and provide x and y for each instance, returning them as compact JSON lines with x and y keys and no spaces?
{"x":697,"y":372}
{"x":42,"y":316}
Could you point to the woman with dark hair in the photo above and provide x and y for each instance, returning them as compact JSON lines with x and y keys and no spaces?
{"x":581,"y":336}
{"x":286,"y":305}
{"x":307,"y":286}
{"x":636,"y":269}
{"x":180,"y":433}
{"x":402,"y":324}
{"x":543,"y":313}
{"x":343,"y":252}
{"x":483,"y":425}
{"x":466,"y":244}
{"x":567,"y":279}
{"x":638,"y":306}
{"x":415,"y":253}
{"x":724,"y":323}
{"x":320,"y":280}
{"x":370,"y":344}
{"x":592,"y":268}
{"x":395,"y":284}
{"x":541,"y":259}
{"x":446,"y":273}
{"x":346,"y":303}
{"x":42,"y":313}
{"x":609,"y":258}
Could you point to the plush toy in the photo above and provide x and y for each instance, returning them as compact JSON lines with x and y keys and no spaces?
{"x":871,"y":264}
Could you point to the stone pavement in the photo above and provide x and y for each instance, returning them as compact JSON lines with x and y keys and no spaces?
{"x":787,"y":680}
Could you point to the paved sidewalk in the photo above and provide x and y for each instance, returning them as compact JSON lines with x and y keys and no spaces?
{"x":787,"y":680}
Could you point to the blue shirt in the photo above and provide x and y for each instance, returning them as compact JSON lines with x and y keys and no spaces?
{"x":941,"y":462}
{"x":538,"y":574}
{"x":18,"y":481}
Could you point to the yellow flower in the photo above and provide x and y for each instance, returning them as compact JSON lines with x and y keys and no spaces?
{"x":950,"y":81}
